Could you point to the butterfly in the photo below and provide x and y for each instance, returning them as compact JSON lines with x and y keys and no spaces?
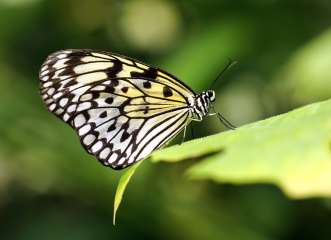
{"x":121,"y":108}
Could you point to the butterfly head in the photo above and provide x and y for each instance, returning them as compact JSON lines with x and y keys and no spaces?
{"x":202,"y":103}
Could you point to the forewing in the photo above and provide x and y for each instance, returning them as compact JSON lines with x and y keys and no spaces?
{"x":65,"y":73}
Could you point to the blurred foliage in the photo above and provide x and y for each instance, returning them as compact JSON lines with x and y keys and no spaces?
{"x":306,"y":76}
{"x":288,"y":150}
{"x":51,"y":189}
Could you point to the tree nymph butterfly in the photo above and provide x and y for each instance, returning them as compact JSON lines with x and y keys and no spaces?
{"x":121,"y":108}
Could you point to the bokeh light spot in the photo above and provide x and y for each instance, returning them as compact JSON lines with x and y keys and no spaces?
{"x":150,"y":25}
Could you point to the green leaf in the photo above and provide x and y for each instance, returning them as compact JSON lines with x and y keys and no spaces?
{"x":122,"y":184}
{"x":292,"y":150}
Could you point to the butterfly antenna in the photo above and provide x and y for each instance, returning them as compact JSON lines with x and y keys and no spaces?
{"x":225,"y":122}
{"x":228,"y":66}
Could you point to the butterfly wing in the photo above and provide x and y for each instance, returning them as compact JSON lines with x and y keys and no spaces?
{"x":121,"y":109}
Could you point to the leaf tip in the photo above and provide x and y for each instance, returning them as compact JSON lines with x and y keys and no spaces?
{"x":122,"y":184}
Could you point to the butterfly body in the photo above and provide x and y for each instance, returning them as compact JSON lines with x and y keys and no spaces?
{"x":121,"y":109}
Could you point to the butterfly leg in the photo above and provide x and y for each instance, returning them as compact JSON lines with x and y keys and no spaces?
{"x":192,"y":132}
{"x":223,"y":120}
{"x":226,"y":122}
{"x":184,"y":135}
{"x":196,"y":120}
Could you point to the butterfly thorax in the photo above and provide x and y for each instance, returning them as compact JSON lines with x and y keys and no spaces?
{"x":200,"y":104}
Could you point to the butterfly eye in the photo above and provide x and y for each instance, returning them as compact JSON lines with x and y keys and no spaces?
{"x":211,"y":95}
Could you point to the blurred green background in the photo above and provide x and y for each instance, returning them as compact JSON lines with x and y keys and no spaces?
{"x":51,"y":189}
